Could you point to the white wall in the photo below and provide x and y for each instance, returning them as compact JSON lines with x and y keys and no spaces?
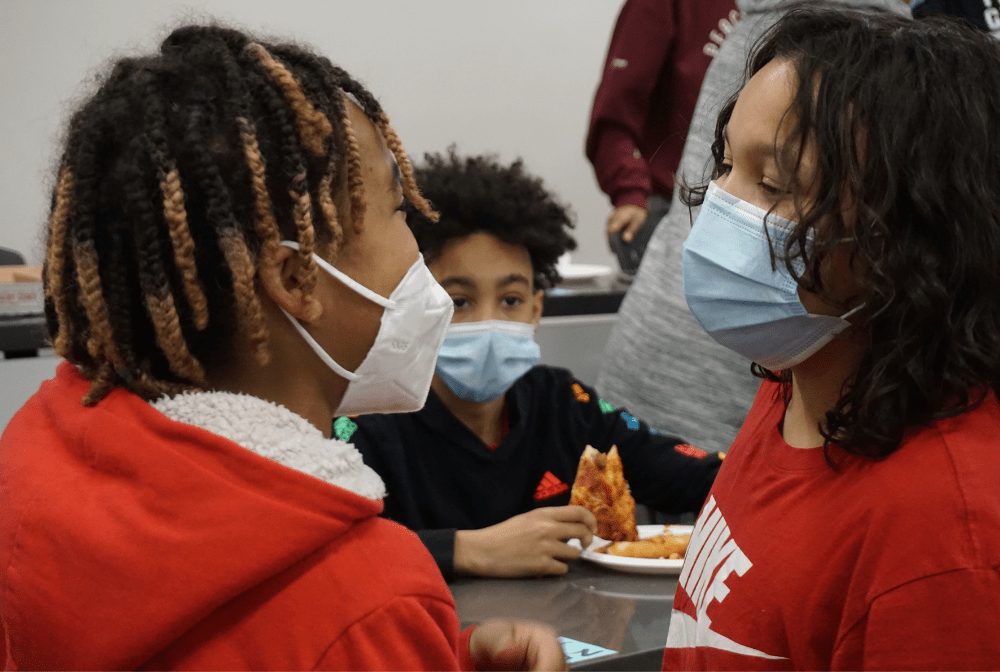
{"x":514,"y":77}
{"x":20,"y":378}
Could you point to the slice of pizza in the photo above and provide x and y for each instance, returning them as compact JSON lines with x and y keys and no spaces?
{"x":600,"y":487}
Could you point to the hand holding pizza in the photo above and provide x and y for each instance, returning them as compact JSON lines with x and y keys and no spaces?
{"x":529,"y":544}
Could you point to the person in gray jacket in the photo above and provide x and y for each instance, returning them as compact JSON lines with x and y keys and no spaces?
{"x":658,"y":361}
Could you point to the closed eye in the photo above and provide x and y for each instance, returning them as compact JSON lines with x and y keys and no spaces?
{"x":775,"y":193}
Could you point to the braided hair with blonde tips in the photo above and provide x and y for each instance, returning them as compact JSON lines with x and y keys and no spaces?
{"x":329,"y":209}
{"x":265,"y":224}
{"x":313,"y":125}
{"x":173,"y":207}
{"x":410,"y":188}
{"x":353,"y":160}
{"x":180,"y":237}
{"x":293,"y":97}
{"x":55,"y":254}
{"x":179,"y":174}
{"x":335,"y":78}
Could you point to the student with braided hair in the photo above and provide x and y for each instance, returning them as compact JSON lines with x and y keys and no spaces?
{"x":228,"y":266}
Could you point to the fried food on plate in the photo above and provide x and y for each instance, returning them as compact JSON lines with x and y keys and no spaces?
{"x":668,"y":546}
{"x":600,"y":487}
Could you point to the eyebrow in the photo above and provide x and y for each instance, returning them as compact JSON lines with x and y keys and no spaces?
{"x":468,"y":283}
{"x":512,"y":279}
{"x":457,"y":280}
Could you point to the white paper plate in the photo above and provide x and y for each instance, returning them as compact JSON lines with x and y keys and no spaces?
{"x":635,"y":565}
{"x":578,"y":272}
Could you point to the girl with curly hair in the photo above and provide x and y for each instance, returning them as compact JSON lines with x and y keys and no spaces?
{"x":848,"y":246}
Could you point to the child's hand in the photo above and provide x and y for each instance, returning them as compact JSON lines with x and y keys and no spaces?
{"x":501,"y":644}
{"x":627,"y":219}
{"x":528,"y":544}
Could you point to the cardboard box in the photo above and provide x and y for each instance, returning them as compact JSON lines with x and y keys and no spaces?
{"x":21,"y":290}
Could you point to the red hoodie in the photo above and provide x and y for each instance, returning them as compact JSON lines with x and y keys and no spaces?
{"x":128,"y":540}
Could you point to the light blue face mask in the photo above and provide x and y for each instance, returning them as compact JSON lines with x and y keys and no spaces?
{"x":737,"y":297}
{"x":479,"y":361}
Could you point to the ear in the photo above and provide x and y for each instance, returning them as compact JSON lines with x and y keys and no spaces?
{"x":281,"y":278}
{"x":537,"y":300}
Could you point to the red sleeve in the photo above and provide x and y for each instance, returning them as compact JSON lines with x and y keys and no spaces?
{"x":464,"y":654}
{"x":8,"y":661}
{"x":948,"y":621}
{"x":640,"y":43}
{"x":407,"y":633}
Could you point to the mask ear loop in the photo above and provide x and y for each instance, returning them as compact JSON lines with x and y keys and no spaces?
{"x":318,"y":349}
{"x":374,"y":297}
{"x":353,"y":284}
{"x":852,"y":311}
{"x":861,"y":305}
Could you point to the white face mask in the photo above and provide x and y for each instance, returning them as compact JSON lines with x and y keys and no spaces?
{"x":396,"y":374}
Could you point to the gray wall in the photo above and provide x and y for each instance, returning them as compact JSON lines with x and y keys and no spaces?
{"x":20,"y":378}
{"x":514,"y":77}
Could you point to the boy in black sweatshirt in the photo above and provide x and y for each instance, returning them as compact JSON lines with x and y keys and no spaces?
{"x":483,"y":472}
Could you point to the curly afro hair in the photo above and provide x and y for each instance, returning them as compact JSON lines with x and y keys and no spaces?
{"x":476,"y":194}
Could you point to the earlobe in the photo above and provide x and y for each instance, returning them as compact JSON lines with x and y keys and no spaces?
{"x":281,"y":280}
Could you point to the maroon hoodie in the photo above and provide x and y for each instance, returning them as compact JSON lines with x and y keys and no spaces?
{"x":643,"y":105}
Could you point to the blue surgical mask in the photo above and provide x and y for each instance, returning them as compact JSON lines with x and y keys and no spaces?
{"x":479,"y":361}
{"x":736,"y":295}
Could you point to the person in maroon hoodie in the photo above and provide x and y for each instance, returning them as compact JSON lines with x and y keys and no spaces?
{"x":228,"y":266}
{"x":658,"y":55}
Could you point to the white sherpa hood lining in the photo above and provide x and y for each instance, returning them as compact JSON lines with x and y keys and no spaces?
{"x":274,"y":432}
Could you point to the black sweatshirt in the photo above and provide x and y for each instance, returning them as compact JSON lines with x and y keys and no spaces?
{"x":441,"y":477}
{"x":984,"y":15}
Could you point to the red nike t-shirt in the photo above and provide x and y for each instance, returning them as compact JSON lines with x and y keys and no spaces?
{"x":887,"y":564}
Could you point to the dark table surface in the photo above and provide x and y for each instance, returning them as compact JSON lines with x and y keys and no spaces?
{"x":606,"y":610}
{"x":591,"y":297}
